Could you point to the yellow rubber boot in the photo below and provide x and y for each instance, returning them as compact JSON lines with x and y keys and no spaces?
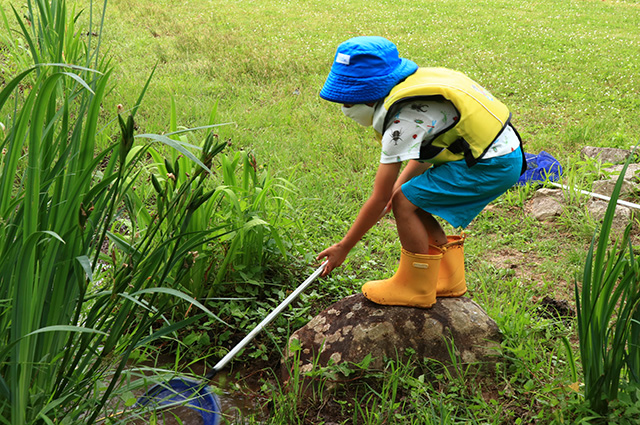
{"x":413,"y":285}
{"x":451,"y":279}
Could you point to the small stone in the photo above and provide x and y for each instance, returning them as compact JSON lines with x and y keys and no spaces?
{"x":621,"y":217}
{"x":544,"y":192}
{"x":629,"y":175}
{"x":605,"y":187}
{"x":606,"y":155}
{"x":544,"y":208}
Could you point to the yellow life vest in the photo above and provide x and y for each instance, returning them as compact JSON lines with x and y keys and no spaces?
{"x":482,"y":116}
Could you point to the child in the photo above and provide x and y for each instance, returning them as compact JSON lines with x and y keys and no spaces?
{"x":461,"y":150}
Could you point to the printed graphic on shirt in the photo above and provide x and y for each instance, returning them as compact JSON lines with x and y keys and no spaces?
{"x":396,"y":135}
{"x":506,"y":143}
{"x":420,"y":107}
{"x":415,"y":123}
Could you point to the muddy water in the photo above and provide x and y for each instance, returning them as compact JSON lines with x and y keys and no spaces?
{"x":234,"y":407}
{"x":237,"y":401}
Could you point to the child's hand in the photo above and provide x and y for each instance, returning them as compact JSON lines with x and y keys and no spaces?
{"x":335,"y":256}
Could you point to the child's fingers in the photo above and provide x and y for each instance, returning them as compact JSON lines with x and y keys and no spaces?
{"x":323,"y":255}
{"x":328,"y":267}
{"x":333,"y":256}
{"x":326,"y":271}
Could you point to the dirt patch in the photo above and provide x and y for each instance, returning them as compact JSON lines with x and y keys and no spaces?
{"x":522,"y":265}
{"x":551,"y":308}
{"x":526,"y":267}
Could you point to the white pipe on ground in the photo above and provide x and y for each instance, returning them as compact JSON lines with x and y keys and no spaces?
{"x":599,"y":196}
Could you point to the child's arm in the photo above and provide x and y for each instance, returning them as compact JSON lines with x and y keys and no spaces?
{"x":368,"y":216}
{"x":413,"y":168}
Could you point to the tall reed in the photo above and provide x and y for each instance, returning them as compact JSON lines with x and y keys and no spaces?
{"x":608,"y":313}
{"x":76,"y":298}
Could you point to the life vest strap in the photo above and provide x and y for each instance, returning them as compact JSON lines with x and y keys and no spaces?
{"x":462,"y":146}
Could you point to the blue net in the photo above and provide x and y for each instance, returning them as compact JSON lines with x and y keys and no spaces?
{"x":540,"y":168}
{"x":182,"y":391}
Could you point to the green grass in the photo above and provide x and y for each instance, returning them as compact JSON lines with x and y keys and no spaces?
{"x":569,"y":71}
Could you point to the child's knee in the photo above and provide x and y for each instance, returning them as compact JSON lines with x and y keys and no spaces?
{"x":401,"y":204}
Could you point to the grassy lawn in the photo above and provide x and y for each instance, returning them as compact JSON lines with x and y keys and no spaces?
{"x":568,"y":70}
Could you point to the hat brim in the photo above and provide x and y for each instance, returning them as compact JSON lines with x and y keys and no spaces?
{"x":343,"y":89}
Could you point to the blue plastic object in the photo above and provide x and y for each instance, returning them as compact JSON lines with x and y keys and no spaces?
{"x":540,"y":168}
{"x":187,"y":392}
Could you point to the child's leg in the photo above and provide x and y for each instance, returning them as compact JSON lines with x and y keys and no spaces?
{"x":413,"y":232}
{"x":414,"y":283}
{"x":417,"y":228}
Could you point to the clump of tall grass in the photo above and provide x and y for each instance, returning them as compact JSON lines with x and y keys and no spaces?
{"x":252,"y":204}
{"x":76,"y":298}
{"x":103,"y":245}
{"x":609,"y":317}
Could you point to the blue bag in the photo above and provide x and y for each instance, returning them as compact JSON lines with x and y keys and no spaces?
{"x":540,"y":168}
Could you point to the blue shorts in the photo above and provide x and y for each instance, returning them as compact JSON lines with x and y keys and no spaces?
{"x":457,"y":193}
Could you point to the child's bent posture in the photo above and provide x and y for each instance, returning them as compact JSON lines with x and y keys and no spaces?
{"x":462,"y":153}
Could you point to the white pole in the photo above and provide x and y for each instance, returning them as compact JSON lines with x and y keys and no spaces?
{"x":597,"y":195}
{"x":222,"y":363}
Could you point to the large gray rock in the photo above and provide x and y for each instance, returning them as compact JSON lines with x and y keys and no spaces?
{"x":354,"y":327}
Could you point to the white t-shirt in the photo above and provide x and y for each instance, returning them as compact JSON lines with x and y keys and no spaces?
{"x":417,"y":120}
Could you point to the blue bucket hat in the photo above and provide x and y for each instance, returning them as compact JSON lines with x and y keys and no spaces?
{"x":365,"y":69}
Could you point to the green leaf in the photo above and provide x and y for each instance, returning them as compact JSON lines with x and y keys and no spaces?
{"x":130,"y":401}
{"x":166,"y":330}
{"x":143,"y":92}
{"x":178,"y":294}
{"x":192,"y":129}
{"x":255,"y":221}
{"x":4,"y":389}
{"x":54,"y":234}
{"x":79,"y":80}
{"x":11,"y":86}
{"x":85,"y":263}
{"x":70,"y":66}
{"x":177,"y":146}
{"x":190,"y":339}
